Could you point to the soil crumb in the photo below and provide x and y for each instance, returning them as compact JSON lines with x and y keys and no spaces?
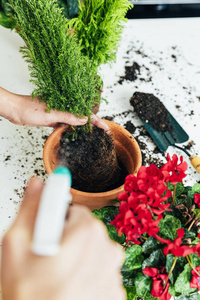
{"x":130,"y":127}
{"x":131,"y":73}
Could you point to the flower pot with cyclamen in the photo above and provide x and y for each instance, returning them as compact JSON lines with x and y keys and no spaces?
{"x":98,"y":162}
{"x":157,"y":224}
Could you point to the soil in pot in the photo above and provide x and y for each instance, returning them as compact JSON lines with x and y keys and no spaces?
{"x":92,"y":160}
{"x":147,"y":106}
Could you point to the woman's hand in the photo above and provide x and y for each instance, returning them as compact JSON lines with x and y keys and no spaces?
{"x":87,"y":266}
{"x":26,"y":111}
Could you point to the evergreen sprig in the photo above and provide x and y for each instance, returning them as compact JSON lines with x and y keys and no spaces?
{"x":98,"y":28}
{"x":63,"y":77}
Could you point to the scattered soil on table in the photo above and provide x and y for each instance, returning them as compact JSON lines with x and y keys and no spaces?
{"x":130,"y":127}
{"x":151,"y":110}
{"x":131,"y":73}
{"x":189,"y":145}
{"x":92,"y":160}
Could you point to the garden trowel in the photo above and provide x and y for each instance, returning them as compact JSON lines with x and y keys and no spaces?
{"x":172,"y":137}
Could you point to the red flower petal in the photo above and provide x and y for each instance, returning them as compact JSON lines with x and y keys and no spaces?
{"x":151,"y":272}
{"x":193,"y":283}
{"x":157,"y":288}
{"x":123,"y":196}
{"x":165,"y":295}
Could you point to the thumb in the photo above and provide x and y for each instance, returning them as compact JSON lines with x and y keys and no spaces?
{"x":28,"y":211}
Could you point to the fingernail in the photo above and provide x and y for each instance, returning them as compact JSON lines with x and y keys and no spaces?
{"x":108,"y":131}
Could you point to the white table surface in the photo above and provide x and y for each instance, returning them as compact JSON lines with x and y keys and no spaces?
{"x":170,"y":48}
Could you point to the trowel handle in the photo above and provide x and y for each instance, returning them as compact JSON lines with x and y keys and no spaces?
{"x":195,"y":161}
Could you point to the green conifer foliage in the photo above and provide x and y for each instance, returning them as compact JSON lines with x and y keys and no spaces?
{"x":98,"y":28}
{"x":63,"y":77}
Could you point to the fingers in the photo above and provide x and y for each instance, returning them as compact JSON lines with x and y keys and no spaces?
{"x":78,"y":216}
{"x":100,"y":123}
{"x":56,"y":117}
{"x":28,"y":211}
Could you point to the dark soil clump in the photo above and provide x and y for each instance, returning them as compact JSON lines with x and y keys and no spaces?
{"x":130,"y":127}
{"x":92,"y":160}
{"x":131,"y":73}
{"x":151,"y":110}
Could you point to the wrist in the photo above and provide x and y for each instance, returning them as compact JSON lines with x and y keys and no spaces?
{"x":9,"y":105}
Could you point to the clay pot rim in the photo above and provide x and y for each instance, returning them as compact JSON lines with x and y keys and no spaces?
{"x":117,"y":190}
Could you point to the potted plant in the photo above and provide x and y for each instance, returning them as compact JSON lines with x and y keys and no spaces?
{"x":97,"y":26}
{"x":66,"y":81}
{"x":157,"y":222}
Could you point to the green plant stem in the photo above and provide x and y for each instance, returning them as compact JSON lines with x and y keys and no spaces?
{"x":149,"y":209}
{"x":193,"y":221}
{"x":143,"y":237}
{"x":172,"y":268}
{"x":193,"y":268}
{"x":174,"y":193}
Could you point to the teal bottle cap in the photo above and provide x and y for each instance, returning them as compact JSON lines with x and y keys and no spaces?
{"x":61,"y":170}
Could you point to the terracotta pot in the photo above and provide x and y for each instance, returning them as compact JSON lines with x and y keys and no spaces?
{"x":128,"y":153}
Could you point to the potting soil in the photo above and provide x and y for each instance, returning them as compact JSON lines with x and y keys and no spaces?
{"x":151,"y":110}
{"x":92,"y":160}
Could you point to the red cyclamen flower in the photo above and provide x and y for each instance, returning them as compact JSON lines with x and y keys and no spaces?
{"x":197,"y":199}
{"x":176,"y":248}
{"x":197,"y":247}
{"x":142,"y":204}
{"x":172,"y":171}
{"x":195,"y":282}
{"x":159,"y":276}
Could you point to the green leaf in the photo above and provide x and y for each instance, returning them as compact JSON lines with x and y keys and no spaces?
{"x":179,"y":189}
{"x":143,"y":286}
{"x":182,"y":284}
{"x":106,"y":214}
{"x":190,"y":195}
{"x":114,"y":235}
{"x":156,"y":259}
{"x":175,"y":212}
{"x":172,"y":291}
{"x":168,"y":227}
{"x":133,"y":257}
{"x":7,"y":21}
{"x":131,"y":293}
{"x":179,"y":267}
{"x":187,"y":200}
{"x":196,"y":211}
{"x":189,"y":297}
{"x":195,"y":241}
{"x":150,"y":245}
{"x":170,"y":186}
{"x":189,"y":234}
{"x":196,"y":188}
{"x":128,"y":277}
{"x":195,"y":260}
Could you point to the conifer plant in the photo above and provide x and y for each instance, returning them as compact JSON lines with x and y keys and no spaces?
{"x":62,"y":76}
{"x":98,"y":28}
{"x":65,"y":79}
